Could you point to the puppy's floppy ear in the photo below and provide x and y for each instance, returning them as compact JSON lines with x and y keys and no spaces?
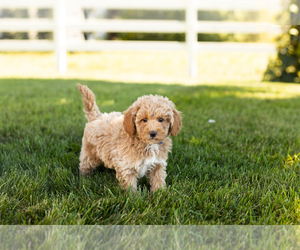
{"x":175,"y":127}
{"x":129,"y":117}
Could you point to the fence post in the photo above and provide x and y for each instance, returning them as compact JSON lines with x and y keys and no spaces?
{"x":60,"y":35}
{"x":191,"y":35}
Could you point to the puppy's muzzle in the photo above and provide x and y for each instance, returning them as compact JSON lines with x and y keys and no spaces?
{"x":152,"y":134}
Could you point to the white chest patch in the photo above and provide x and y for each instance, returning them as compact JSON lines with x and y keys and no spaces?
{"x":149,"y":163}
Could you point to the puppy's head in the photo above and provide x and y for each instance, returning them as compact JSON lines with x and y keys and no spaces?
{"x":152,"y":119}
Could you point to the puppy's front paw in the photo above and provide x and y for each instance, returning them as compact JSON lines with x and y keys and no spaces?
{"x":158,"y":186}
{"x":128,"y":182}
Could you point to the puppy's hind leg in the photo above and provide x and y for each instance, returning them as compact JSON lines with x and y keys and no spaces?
{"x":87,"y":163}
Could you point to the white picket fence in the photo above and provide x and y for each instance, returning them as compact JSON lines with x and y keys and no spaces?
{"x":191,"y":27}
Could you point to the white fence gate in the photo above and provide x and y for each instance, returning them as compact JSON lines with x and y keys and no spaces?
{"x":191,"y":27}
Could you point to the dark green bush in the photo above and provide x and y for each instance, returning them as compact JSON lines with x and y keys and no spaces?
{"x":286,"y":66}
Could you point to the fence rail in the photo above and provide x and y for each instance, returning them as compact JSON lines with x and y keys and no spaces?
{"x":145,"y":26}
{"x":91,"y":46}
{"x":191,"y":27}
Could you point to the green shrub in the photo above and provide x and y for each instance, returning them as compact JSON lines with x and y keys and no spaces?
{"x":286,"y":66}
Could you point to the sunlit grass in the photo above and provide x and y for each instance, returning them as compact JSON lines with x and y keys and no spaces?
{"x":137,"y":67}
{"x":292,"y":160}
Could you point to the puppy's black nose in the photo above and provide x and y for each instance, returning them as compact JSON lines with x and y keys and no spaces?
{"x":153,"y":134}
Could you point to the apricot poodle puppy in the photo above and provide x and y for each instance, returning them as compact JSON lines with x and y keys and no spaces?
{"x":134,"y":144}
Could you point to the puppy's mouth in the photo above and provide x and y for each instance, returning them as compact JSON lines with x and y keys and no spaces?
{"x":152,"y":137}
{"x":153,"y":140}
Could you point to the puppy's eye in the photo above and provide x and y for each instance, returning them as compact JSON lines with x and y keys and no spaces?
{"x":160,"y":119}
{"x":144,"y":120}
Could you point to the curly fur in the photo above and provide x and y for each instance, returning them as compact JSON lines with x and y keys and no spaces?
{"x":123,"y":142}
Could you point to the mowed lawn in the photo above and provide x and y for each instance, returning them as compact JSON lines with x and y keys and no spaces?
{"x":242,"y":169}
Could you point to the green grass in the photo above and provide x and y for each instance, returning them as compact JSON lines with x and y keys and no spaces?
{"x":150,"y":237}
{"x":243,"y":169}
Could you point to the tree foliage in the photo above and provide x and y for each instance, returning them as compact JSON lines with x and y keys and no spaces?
{"x":286,"y":66}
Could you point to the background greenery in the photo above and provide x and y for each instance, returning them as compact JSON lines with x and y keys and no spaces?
{"x":24,"y":13}
{"x":286,"y":66}
{"x":250,"y":16}
{"x":243,"y":169}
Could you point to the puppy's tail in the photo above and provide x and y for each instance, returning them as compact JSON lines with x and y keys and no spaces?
{"x":90,"y":107}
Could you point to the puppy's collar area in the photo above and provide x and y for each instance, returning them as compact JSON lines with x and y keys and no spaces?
{"x":160,"y":143}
